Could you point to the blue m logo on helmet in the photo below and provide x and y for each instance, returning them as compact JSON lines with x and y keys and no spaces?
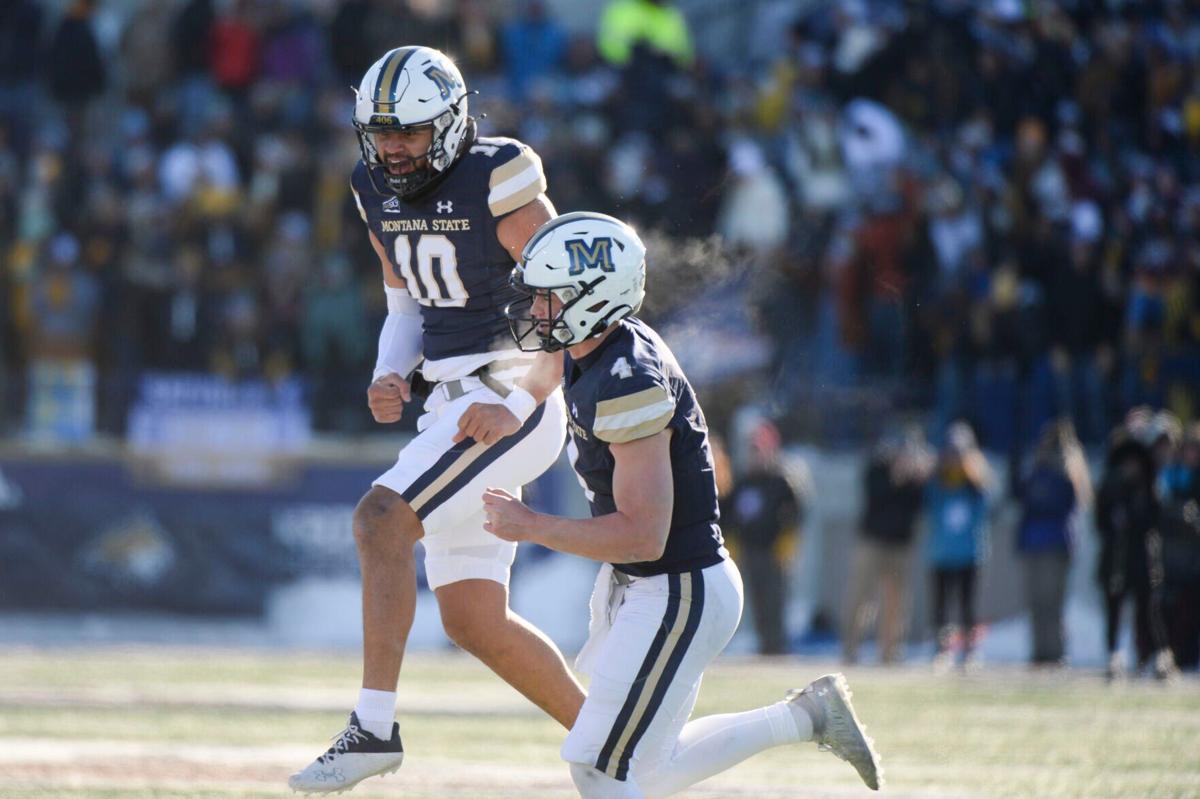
{"x":585,"y":256}
{"x":445,"y":83}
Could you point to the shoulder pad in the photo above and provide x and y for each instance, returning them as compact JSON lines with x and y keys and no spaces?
{"x":516,"y":176}
{"x":634,"y":402}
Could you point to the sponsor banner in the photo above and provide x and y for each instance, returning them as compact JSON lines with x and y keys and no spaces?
{"x":94,"y":535}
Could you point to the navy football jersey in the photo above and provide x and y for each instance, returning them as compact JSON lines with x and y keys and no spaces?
{"x":444,"y":243}
{"x":631,"y":387}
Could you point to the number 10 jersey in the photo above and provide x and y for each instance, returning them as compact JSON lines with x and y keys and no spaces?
{"x":444,"y":244}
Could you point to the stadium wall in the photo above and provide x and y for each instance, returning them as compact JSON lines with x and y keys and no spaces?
{"x":107,"y":535}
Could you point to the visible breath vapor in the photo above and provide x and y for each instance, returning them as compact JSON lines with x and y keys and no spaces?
{"x":679,"y":269}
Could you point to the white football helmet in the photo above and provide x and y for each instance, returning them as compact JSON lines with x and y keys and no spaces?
{"x":593,"y":263}
{"x":413,"y":87}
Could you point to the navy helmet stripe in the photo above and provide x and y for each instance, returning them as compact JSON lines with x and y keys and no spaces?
{"x":635,"y":691}
{"x":695,"y":611}
{"x":460,"y":481}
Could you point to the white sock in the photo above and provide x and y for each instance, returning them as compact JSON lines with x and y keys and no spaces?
{"x":712,"y":744}
{"x":376,"y":711}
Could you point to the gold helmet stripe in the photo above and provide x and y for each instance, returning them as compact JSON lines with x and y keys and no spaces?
{"x":389,"y":76}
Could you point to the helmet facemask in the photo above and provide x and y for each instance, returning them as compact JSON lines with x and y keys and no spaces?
{"x":551,"y":334}
{"x":593,"y":264}
{"x":437,"y":159}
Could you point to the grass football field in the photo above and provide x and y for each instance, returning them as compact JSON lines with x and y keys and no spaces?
{"x":141,"y":722}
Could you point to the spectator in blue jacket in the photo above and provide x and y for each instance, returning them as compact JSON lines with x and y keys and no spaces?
{"x":1052,"y":492}
{"x":534,"y":44}
{"x":956,"y":502}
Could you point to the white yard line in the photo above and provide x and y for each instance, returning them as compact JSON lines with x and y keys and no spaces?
{"x":502,"y":701}
{"x":53,"y":762}
{"x":60,"y":750}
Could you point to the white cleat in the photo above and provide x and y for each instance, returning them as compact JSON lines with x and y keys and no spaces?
{"x":836,"y":728}
{"x":355,"y":755}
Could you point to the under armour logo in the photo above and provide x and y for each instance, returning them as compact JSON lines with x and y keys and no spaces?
{"x":621,"y":368}
{"x":445,"y":206}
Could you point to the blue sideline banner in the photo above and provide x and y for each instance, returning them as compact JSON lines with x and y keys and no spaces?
{"x":103,"y":533}
{"x":94,"y":534}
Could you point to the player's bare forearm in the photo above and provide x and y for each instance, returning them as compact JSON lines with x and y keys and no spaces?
{"x":544,"y":376}
{"x":643,"y":492}
{"x":614,"y":537}
{"x":515,"y":230}
{"x":488,"y":423}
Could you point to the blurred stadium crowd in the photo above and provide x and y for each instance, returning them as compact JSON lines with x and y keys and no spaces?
{"x":904,"y":210}
{"x":986,"y":211}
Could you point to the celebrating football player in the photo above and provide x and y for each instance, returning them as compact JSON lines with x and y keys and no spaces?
{"x":447,"y":212}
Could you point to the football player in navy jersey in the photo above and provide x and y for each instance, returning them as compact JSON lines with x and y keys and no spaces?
{"x":447,"y":212}
{"x":667,"y":598}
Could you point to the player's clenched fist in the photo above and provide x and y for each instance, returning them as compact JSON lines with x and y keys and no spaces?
{"x":487,"y":423}
{"x":386,"y":398}
{"x":507,"y":517}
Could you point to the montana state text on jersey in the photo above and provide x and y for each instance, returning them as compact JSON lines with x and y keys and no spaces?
{"x":631,"y":387}
{"x":443,"y":244}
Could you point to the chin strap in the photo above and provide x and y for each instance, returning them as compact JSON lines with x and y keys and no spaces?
{"x":433,"y":182}
{"x":602,"y":325}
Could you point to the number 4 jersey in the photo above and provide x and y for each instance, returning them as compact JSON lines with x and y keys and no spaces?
{"x":631,"y":387}
{"x":444,"y":244}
